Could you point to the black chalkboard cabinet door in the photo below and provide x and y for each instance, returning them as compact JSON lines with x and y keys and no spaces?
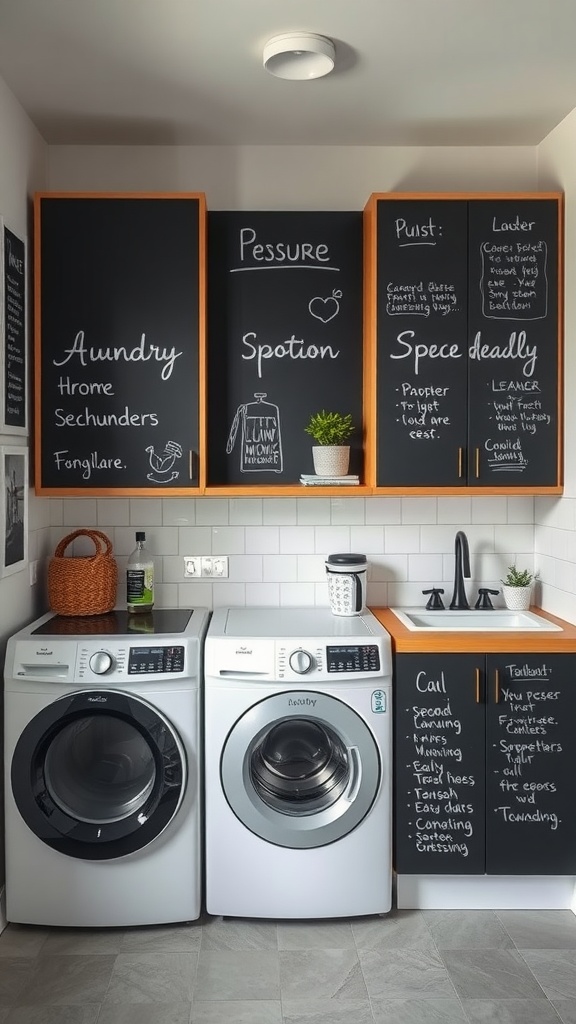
{"x":119,"y":343}
{"x":530,"y":778}
{"x":440,"y":764}
{"x":284,"y":342}
{"x":463,"y":293}
{"x":485,"y":780}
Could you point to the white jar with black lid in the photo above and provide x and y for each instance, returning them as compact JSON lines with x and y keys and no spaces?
{"x":346,"y":574}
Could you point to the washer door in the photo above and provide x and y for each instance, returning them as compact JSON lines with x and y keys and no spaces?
{"x":300,"y":769}
{"x":99,"y":774}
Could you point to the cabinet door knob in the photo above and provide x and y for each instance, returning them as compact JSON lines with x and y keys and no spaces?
{"x":496,"y":686}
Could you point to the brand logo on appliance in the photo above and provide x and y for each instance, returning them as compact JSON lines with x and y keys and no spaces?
{"x":243,"y":650}
{"x":45,"y":652}
{"x":378,"y":702}
{"x":308,"y":701}
{"x":98,"y":700}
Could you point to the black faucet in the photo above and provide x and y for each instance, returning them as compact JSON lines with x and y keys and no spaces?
{"x":461,"y":570}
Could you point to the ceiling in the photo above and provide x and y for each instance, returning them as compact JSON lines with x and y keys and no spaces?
{"x":189,"y":72}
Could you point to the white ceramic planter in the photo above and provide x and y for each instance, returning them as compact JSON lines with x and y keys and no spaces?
{"x":517,"y":598}
{"x":331,"y":459}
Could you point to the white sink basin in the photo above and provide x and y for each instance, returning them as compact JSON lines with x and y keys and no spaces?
{"x":498,"y":620}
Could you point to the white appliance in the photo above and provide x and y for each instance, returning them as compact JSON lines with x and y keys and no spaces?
{"x":298,"y":763}
{"x":102,"y":769}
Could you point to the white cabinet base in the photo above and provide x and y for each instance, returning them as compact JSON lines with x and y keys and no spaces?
{"x":486,"y":892}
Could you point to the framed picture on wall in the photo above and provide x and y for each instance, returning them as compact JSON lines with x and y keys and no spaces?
{"x":13,"y":333}
{"x":14,"y":519}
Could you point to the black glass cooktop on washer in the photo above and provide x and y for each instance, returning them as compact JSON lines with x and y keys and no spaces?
{"x":117,"y":622}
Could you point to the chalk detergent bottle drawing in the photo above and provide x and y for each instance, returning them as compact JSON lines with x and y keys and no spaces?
{"x":260,"y":439}
{"x":140,"y":578}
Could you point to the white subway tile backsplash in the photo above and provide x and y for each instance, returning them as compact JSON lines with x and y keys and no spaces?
{"x":212,"y":512}
{"x":194,"y":540}
{"x":195,"y":594}
{"x":146,"y":512}
{"x":245,"y":511}
{"x":226,"y":594}
{"x":419,"y":510}
{"x":244,"y":568}
{"x":296,"y":540}
{"x":165,"y":595}
{"x":296,"y":594}
{"x":520,"y":509}
{"x":279,"y":511}
{"x":56,"y":511}
{"x":313,"y":511}
{"x":489,"y":509}
{"x":382,"y":568}
{"x":385,"y":511}
{"x":367,"y":540}
{"x":514,"y":538}
{"x":79,"y":512}
{"x":262,"y":540}
{"x":425,"y":568}
{"x":401,"y":538}
{"x":179,"y":511}
{"x":228,"y":540}
{"x":347,"y":511}
{"x":311,"y":568}
{"x":279,"y":568}
{"x":162,"y":540}
{"x":377,"y":595}
{"x":330,"y":540}
{"x":113,"y":511}
{"x":265,"y":595}
{"x":455,"y":510}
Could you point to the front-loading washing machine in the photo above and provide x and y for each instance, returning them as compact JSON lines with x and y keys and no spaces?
{"x":298,"y":764}
{"x":103,"y":769}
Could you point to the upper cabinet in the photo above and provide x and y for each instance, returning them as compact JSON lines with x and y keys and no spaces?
{"x":119,"y":343}
{"x":463,"y":335}
{"x":284,"y":342}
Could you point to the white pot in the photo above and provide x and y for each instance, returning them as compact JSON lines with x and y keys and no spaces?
{"x":517,"y":598}
{"x":331,"y":459}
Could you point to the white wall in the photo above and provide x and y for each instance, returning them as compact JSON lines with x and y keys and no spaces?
{"x":277,"y":546}
{"x":22,"y":170}
{"x":555,"y":518}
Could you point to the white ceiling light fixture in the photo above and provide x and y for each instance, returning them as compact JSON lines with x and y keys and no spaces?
{"x":299,"y":56}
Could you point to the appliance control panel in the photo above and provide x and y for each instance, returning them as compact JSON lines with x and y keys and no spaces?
{"x":155,"y":660}
{"x":353,"y":658}
{"x":327,"y":660}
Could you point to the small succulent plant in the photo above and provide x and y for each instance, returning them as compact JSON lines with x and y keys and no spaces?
{"x":519,"y":577}
{"x":330,"y":427}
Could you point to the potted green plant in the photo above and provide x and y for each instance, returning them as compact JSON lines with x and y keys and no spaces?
{"x":330,"y":454}
{"x":517,"y":587}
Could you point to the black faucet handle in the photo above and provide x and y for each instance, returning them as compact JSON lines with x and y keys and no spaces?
{"x":484,"y":597}
{"x":434,"y":601}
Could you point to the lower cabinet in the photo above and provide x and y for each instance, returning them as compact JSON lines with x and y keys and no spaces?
{"x":485,"y":764}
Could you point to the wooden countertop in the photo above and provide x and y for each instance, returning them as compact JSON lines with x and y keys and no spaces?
{"x":405,"y":640}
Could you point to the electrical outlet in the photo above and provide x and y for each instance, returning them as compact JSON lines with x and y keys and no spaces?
{"x":215,"y":566}
{"x":192,"y":567}
{"x":205,"y":566}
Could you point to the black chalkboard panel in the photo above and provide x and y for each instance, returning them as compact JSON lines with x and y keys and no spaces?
{"x":513,"y":341}
{"x":530,"y":781}
{"x":468,"y":344}
{"x":118,"y":342}
{"x":14,"y":294}
{"x":422,"y":286}
{"x":439,"y":764}
{"x":284,"y":339}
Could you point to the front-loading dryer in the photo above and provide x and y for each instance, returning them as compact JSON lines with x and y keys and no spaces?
{"x":103,"y":769}
{"x":298,"y":763}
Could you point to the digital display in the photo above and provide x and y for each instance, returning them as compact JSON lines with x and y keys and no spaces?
{"x":155,"y":660}
{"x":353,"y":658}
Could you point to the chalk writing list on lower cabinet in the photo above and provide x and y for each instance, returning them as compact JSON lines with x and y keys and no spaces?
{"x":484,"y":773}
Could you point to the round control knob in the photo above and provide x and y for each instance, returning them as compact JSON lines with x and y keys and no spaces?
{"x":101,"y":662}
{"x":301,"y":662}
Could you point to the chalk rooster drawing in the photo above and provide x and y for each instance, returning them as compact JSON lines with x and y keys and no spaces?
{"x":162,"y":464}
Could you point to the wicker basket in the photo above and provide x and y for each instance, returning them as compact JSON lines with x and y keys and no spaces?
{"x":83,"y":585}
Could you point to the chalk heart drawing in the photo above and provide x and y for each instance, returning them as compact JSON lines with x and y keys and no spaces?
{"x":325,"y":309}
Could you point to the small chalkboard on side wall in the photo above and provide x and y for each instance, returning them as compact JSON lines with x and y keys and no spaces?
{"x":119,"y":342}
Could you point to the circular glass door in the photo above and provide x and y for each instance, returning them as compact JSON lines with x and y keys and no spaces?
{"x":300,"y":779}
{"x":98,"y":775}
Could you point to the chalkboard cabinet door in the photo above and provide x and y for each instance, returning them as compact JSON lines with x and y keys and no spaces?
{"x":485,"y":779}
{"x":440,"y":764}
{"x":530,"y":778}
{"x":119,"y":343}
{"x":463,"y":329}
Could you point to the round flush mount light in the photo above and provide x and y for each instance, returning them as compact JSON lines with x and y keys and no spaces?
{"x":299,"y":56}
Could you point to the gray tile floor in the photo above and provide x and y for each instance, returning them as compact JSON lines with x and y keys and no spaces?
{"x":410,"y":967}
